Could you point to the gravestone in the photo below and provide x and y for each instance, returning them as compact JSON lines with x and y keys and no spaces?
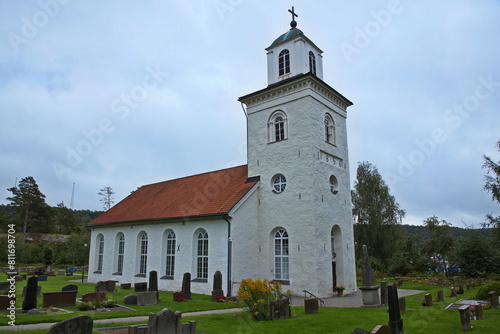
{"x":147,"y":298}
{"x":217,"y":292}
{"x":479,"y":311}
{"x":141,"y":287}
{"x":70,"y":287}
{"x":493,"y":299}
{"x":18,"y":278}
{"x":5,"y":302}
{"x":126,"y":286}
{"x":464,"y":318}
{"x":105,"y":286}
{"x":383,"y":293}
{"x":42,"y":278}
{"x":360,"y":331}
{"x":189,"y":328}
{"x":81,"y":324}
{"x":153,"y":282}
{"x":31,"y":293}
{"x":402,"y":304}
{"x":138,"y":329}
{"x":369,"y":290}
{"x":395,"y":321}
{"x":59,"y":299}
{"x":381,"y":329}
{"x":179,"y":296}
{"x":130,"y":299}
{"x":428,"y":299}
{"x":453,"y":292}
{"x":38,"y":290}
{"x":280,"y":309}
{"x":61,"y":272}
{"x":164,"y":322}
{"x":4,"y":286}
{"x":311,"y":305}
{"x":440,"y":297}
{"x":98,"y":296}
{"x":186,"y":286}
{"x":461,"y":290}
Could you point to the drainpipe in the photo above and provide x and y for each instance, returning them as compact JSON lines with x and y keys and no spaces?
{"x":229,"y":257}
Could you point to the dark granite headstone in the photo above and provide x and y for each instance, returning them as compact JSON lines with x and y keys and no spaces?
{"x":38,"y":290}
{"x":428,"y":299}
{"x":105,"y":286}
{"x":31,"y":293}
{"x":5,"y":302}
{"x":402,"y":304}
{"x":141,"y":287}
{"x":81,"y":324}
{"x":440,"y":297}
{"x":130,"y":299}
{"x":360,"y":331}
{"x":98,"y":296}
{"x":70,"y":287}
{"x":186,"y":285}
{"x":395,"y":321}
{"x":280,"y":309}
{"x":217,"y":281}
{"x":42,"y":278}
{"x":59,"y":299}
{"x":126,"y":286}
{"x":493,"y":299}
{"x":217,"y":295}
{"x":153,"y":282}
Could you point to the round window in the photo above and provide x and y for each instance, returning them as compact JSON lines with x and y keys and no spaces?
{"x":279,"y":183}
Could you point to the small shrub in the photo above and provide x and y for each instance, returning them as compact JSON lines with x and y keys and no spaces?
{"x":109,"y":303}
{"x":483,"y":290}
{"x":257,"y":296}
{"x":85,"y":306}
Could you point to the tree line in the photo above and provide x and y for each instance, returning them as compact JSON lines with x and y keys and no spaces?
{"x":378,"y":225}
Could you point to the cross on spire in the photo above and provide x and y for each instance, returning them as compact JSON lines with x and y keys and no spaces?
{"x":293,"y":24}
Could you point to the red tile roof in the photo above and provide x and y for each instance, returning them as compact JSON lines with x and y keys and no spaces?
{"x":208,"y":194}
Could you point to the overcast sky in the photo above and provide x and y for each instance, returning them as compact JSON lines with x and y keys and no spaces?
{"x":122,"y":94}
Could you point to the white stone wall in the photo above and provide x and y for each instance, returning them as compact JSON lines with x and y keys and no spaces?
{"x":307,"y":209}
{"x":186,"y":236}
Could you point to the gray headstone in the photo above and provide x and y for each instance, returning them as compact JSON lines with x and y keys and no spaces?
{"x":81,"y":324}
{"x":130,"y":299}
{"x":42,"y":278}
{"x":368,"y":277}
{"x":465,"y":318}
{"x":31,"y":293}
{"x":165,"y":321}
{"x":147,"y":298}
{"x":189,"y":328}
{"x":217,"y":280}
{"x":70,"y":287}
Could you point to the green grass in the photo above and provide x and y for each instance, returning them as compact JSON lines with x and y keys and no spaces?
{"x":417,"y":319}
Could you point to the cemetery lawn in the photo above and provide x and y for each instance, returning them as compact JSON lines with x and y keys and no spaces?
{"x":417,"y":319}
{"x":55,"y":283}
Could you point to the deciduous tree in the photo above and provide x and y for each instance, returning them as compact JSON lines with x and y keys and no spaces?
{"x":107,"y":199}
{"x":492,"y":185}
{"x":440,"y":242}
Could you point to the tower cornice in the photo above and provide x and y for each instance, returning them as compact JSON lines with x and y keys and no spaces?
{"x":295,"y":84}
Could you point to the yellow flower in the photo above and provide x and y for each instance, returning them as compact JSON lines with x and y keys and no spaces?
{"x":261,"y":301}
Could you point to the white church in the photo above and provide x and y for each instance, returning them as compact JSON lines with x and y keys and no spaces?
{"x":285,"y":216}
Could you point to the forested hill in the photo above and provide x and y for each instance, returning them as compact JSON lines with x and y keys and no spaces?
{"x":457,"y":232}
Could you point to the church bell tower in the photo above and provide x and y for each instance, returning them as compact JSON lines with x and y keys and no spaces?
{"x":297,"y":148}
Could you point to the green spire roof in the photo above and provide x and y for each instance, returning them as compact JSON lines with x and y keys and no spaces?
{"x":286,"y":36}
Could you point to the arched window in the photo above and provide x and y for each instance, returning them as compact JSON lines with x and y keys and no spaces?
{"x":170,"y":256}
{"x":329,"y":130}
{"x":279,"y":183}
{"x":281,"y":260}
{"x":277,"y":127}
{"x":100,"y":252}
{"x":284,"y":62}
{"x":120,"y":253}
{"x":143,"y":253}
{"x":202,"y":255}
{"x":312,"y":62}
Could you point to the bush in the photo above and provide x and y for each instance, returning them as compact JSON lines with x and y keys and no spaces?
{"x":257,"y":296}
{"x":483,"y":290}
{"x":109,"y":303}
{"x":85,"y":306}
